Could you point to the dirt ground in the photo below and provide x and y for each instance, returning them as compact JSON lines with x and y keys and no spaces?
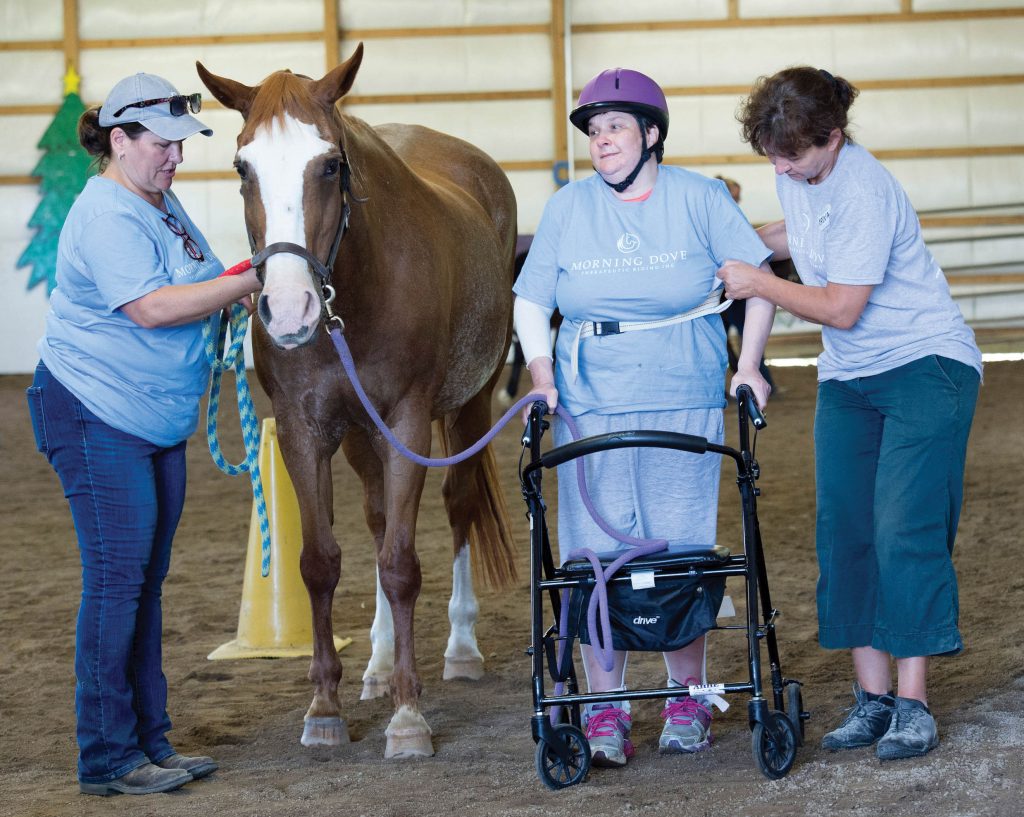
{"x":248,"y":713}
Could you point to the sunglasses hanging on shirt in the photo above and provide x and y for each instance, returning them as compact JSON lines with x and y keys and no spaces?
{"x":191,"y":248}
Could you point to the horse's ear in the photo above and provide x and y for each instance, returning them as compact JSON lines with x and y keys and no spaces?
{"x":231,"y":94}
{"x":335,"y":85}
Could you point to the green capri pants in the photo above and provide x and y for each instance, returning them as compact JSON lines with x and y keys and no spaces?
{"x":889,"y":466}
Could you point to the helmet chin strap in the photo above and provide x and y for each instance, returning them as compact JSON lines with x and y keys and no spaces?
{"x":645,"y":154}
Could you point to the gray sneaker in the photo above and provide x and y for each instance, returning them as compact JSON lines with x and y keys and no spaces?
{"x":912,"y":732}
{"x":866,"y":722}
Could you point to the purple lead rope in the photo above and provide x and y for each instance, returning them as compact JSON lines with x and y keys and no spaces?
{"x":598,"y":605}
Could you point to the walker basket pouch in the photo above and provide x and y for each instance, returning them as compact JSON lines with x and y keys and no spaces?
{"x":661,"y":618}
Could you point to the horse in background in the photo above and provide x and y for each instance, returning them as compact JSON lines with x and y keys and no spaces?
{"x":421,"y":228}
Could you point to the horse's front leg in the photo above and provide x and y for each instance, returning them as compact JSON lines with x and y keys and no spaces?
{"x":309,"y":466}
{"x":408,"y":734}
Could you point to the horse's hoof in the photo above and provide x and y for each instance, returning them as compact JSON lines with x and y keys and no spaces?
{"x":324,"y":732}
{"x":408,"y":735}
{"x":374,"y":687}
{"x":470,"y":668}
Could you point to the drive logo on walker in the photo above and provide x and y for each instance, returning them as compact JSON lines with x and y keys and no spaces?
{"x":646,"y":620}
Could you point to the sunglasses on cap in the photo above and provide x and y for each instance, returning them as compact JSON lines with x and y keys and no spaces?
{"x":179,"y":105}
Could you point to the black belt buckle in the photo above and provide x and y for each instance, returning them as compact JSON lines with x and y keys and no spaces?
{"x":606,"y":328}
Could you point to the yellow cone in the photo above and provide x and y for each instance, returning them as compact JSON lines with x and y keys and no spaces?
{"x":274,"y":620}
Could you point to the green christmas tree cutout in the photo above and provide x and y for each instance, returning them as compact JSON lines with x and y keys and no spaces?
{"x":63,"y":171}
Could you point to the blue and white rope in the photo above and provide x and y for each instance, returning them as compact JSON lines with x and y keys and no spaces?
{"x":220,"y":363}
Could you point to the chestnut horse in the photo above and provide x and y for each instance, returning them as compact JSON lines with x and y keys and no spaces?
{"x":421,"y":230}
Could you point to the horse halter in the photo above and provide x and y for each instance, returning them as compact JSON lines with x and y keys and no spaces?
{"x":323,"y":270}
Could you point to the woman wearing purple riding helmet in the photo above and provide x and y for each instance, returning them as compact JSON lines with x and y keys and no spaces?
{"x":638,"y":242}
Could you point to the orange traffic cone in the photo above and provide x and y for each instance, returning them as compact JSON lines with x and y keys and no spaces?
{"x":274,"y":620}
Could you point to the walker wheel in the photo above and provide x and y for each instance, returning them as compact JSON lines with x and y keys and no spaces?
{"x":795,"y":709}
{"x":774,"y":745}
{"x":556,"y":769}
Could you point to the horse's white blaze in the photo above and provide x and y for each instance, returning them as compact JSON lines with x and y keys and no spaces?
{"x":462,"y":612}
{"x":278,"y":155}
{"x":377,"y":678}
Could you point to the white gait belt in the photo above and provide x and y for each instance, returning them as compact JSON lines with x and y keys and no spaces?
{"x":712,"y":305}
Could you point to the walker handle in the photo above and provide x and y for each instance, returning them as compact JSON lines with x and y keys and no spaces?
{"x":745,"y":395}
{"x":535,"y":423}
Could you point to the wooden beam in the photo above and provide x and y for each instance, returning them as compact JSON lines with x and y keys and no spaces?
{"x":32,"y":45}
{"x":998,"y":278}
{"x":206,"y":39}
{"x":815,"y":20}
{"x":352,"y":99}
{"x":960,"y":152}
{"x":445,"y":31}
{"x":558,"y":84}
{"x":71,"y":46}
{"x":973,"y":221}
{"x":331,"y":37}
{"x":901,"y":84}
{"x":451,"y":96}
{"x":28,"y":110}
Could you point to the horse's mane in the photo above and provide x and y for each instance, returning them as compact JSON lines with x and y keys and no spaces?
{"x":282,"y":93}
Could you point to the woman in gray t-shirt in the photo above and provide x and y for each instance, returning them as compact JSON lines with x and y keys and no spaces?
{"x":898,"y":382}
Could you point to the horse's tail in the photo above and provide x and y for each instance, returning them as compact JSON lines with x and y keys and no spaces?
{"x":490,"y":533}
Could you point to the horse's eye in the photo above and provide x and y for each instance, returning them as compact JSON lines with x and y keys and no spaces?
{"x":331,"y":167}
{"x":242,"y":171}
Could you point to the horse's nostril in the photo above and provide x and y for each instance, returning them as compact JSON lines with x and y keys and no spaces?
{"x":263,"y":310}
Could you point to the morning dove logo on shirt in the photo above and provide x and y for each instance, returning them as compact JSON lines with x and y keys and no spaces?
{"x":628,"y":243}
{"x":825,"y":218}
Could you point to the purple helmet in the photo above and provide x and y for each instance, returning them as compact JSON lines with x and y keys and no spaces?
{"x":620,"y":89}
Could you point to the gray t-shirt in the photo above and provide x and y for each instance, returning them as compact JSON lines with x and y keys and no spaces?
{"x":858,"y":227}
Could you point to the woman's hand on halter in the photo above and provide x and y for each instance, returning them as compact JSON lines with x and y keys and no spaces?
{"x":542,"y":376}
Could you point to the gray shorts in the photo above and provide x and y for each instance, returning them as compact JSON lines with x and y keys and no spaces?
{"x":641,"y":492}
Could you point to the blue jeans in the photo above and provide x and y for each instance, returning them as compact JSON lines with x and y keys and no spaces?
{"x":126,"y":496}
{"x":889,"y":461}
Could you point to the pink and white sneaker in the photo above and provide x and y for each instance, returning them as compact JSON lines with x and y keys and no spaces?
{"x":687,"y":726}
{"x":607,"y":731}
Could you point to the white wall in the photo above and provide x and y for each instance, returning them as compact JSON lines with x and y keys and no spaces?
{"x":523,"y":130}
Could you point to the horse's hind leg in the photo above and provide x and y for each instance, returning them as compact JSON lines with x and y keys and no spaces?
{"x":366,"y":464}
{"x":475,"y":511}
{"x":377,"y":677}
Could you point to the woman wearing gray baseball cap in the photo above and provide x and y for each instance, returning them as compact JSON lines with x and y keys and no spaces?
{"x":115,"y":396}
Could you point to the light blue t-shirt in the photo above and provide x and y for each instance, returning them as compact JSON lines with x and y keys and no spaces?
{"x":858,"y":227}
{"x":597,"y":258}
{"x":114,"y":248}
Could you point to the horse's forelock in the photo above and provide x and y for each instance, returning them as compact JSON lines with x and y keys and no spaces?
{"x":282,"y":93}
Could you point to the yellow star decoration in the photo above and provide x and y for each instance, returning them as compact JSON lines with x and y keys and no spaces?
{"x":71,"y":81}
